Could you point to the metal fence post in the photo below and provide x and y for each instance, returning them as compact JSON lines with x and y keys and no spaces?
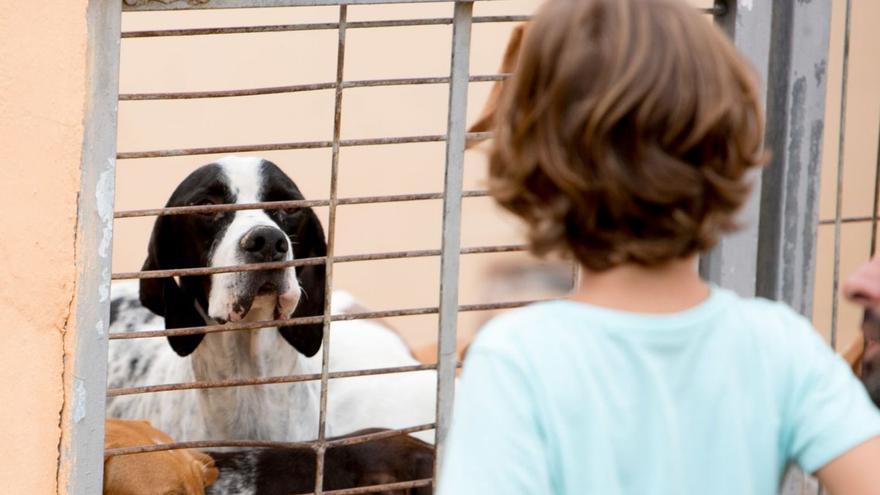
{"x":790,"y":193}
{"x":795,"y":123}
{"x":733,"y":262}
{"x":82,"y":449}
{"x":451,"y":245}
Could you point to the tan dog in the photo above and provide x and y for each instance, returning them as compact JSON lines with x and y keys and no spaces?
{"x":178,"y":472}
{"x":486,"y":119}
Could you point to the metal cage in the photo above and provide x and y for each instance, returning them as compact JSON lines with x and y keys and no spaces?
{"x":774,"y":256}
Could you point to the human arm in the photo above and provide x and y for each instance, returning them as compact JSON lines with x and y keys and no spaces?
{"x":832,"y":426}
{"x":495,"y":444}
{"x":855,"y":472}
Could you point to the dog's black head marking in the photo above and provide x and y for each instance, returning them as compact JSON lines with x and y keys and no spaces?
{"x":218,"y":239}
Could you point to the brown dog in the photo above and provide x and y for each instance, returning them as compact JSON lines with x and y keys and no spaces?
{"x":171,"y":471}
{"x":486,"y":119}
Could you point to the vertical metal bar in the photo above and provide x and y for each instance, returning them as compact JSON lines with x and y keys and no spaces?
{"x":81,"y":465}
{"x":790,"y":184}
{"x":838,"y":202}
{"x":733,"y":262}
{"x":874,"y":217}
{"x":795,"y":125}
{"x":331,"y":245}
{"x":449,"y":258}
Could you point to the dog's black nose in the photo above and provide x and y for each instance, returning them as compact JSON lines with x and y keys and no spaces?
{"x":264,"y":243}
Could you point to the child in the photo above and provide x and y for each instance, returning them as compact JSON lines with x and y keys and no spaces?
{"x":625,"y":139}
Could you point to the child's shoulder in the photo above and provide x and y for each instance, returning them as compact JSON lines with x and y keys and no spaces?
{"x":773,"y":323}
{"x":519,"y":328}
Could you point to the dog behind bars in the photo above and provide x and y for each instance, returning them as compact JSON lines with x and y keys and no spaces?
{"x":286,"y":411}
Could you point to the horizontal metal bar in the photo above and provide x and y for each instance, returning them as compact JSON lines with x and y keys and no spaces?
{"x":210,"y":444}
{"x":299,"y":145}
{"x":279,"y":205}
{"x":319,"y":26}
{"x":306,"y":320}
{"x":832,"y":221}
{"x":152,"y":5}
{"x":318,"y":260}
{"x":271,"y":380}
{"x":385,"y":488}
{"x":298,"y":88}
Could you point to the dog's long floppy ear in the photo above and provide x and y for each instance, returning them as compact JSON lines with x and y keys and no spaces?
{"x":486,"y":119}
{"x":164,"y":297}
{"x":307,"y":237}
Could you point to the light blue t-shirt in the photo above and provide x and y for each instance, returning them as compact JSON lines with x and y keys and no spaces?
{"x":565,"y":398}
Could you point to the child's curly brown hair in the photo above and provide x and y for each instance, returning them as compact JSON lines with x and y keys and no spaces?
{"x":626,"y":133}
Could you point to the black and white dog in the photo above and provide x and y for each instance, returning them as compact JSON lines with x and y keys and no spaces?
{"x":272,"y":412}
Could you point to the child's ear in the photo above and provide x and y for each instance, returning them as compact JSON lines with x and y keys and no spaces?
{"x":486,"y":119}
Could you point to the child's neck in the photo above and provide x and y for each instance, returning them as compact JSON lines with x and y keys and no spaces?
{"x":670,"y":288}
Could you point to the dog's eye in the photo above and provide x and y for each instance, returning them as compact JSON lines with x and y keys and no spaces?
{"x":207,"y":202}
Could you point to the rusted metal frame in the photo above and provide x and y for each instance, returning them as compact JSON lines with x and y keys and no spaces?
{"x":874,"y":216}
{"x":277,"y":205}
{"x":271,"y":380}
{"x":451,"y":242}
{"x":832,"y":221}
{"x":300,"y":145}
{"x":321,"y":26}
{"x":838,"y":203}
{"x":277,"y":265}
{"x":254,"y":325}
{"x":299,"y":88}
{"x":331,"y":245}
{"x":400,"y":485}
{"x":80,"y":448}
{"x":717,"y":10}
{"x":141,"y":5}
{"x":210,"y":444}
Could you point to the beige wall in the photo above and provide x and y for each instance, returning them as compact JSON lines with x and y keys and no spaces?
{"x":859,"y":164}
{"x":42,"y":98}
{"x":231,"y":61}
{"x":216,"y":62}
{"x":42,"y":83}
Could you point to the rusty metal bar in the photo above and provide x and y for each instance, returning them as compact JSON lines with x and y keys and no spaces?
{"x":832,"y":221}
{"x":320,"y":26}
{"x":209,"y":444}
{"x":255,"y":325}
{"x":874,"y":217}
{"x":276,"y":265}
{"x":299,"y":88}
{"x":277,"y":205}
{"x":331,"y":245}
{"x":379,"y":435}
{"x":270,"y":380}
{"x":385,"y":488}
{"x":838,"y":204}
{"x":299,"y":145}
